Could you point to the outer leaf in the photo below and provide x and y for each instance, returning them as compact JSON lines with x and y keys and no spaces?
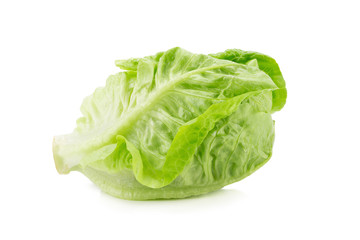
{"x":235,"y":147}
{"x":266,"y":64}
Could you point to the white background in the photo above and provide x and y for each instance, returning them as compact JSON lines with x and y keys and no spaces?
{"x":54,"y":53}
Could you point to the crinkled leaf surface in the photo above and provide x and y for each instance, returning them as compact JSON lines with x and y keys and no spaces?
{"x":176,"y":124}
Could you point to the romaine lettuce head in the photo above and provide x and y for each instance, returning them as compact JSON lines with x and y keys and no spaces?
{"x":176,"y":124}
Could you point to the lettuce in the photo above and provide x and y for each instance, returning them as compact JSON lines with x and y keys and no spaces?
{"x":176,"y":124}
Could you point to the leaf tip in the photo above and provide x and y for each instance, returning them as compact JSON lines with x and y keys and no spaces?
{"x":60,"y":165}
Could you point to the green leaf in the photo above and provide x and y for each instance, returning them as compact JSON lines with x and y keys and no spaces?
{"x":266,"y":64}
